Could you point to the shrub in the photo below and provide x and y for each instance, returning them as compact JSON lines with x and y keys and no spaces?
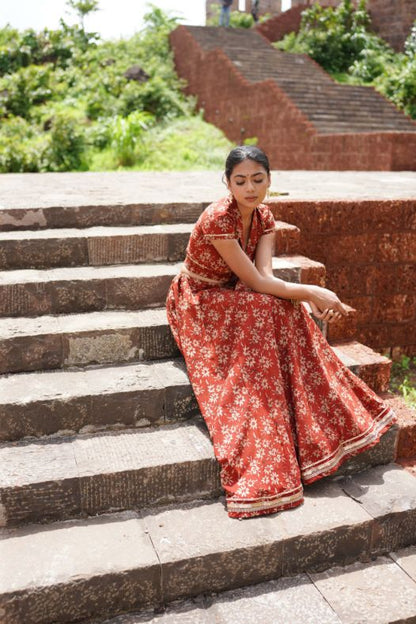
{"x":25,"y":88}
{"x":126,"y":133}
{"x":21,"y":147}
{"x":341,"y":41}
{"x":66,"y":146}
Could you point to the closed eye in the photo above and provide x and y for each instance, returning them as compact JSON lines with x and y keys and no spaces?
{"x":258,"y":181}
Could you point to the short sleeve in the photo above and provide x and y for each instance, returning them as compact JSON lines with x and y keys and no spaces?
{"x":219,"y":224}
{"x":268,"y":221}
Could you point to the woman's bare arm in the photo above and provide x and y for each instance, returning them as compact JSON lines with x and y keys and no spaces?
{"x":264,"y":254}
{"x":261,"y":280}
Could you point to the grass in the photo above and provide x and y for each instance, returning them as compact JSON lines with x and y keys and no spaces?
{"x":403,"y":379}
{"x":183,"y":144}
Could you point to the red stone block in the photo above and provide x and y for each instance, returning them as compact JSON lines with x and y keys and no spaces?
{"x":400,"y":308}
{"x":344,"y":329}
{"x":376,"y":376}
{"x":379,"y":335}
{"x":397,"y":247}
{"x":287,"y":238}
{"x":351,"y":280}
{"x":406,"y":420}
{"x":393,"y":278}
{"x":351,"y":249}
{"x":363,"y":307}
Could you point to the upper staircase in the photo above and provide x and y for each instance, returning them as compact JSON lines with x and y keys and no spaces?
{"x":310,"y":105}
{"x":110,"y":499}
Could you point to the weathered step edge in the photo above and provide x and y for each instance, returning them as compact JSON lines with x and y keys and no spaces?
{"x":133,"y":395}
{"x":87,"y":475}
{"x":65,"y":290}
{"x":125,"y":562}
{"x":46,"y":481}
{"x":85,"y":216}
{"x":98,"y":246}
{"x":382,"y":590}
{"x":106,"y":337}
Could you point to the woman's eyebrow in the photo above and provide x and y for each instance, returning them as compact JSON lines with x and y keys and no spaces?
{"x":240,"y":175}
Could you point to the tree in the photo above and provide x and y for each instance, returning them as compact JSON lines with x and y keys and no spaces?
{"x":83,"y":8}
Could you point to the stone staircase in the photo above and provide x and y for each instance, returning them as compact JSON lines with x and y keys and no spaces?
{"x":330,"y":107}
{"x":109,"y":489}
{"x":308,"y":101}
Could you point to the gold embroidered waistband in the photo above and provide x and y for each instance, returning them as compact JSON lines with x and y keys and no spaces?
{"x":202,"y":278}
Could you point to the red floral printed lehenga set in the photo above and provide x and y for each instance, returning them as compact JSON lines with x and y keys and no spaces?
{"x":280,"y":407}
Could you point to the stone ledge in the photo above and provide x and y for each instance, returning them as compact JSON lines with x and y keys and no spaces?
{"x":113,"y":564}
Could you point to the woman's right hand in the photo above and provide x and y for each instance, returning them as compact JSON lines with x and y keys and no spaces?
{"x":325,"y":304}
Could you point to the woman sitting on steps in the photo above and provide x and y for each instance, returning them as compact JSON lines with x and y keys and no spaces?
{"x":281,"y":409}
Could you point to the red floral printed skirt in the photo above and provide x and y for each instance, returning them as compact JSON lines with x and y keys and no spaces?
{"x":281,"y":409}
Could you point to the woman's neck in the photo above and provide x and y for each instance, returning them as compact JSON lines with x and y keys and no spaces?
{"x":246,"y":214}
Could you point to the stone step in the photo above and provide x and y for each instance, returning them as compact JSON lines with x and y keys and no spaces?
{"x":96,"y":246}
{"x":64,"y":402}
{"x":383,"y":590}
{"x":106,"y":337}
{"x":133,"y":395}
{"x":65,"y":341}
{"x":43,"y":481}
{"x":81,"y":214}
{"x":100,"y":567}
{"x":100,"y":246}
{"x":33,"y":292}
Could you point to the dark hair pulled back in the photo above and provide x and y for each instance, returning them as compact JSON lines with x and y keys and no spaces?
{"x":244,"y":152}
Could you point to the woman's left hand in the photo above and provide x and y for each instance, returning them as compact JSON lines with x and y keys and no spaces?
{"x":328,"y":315}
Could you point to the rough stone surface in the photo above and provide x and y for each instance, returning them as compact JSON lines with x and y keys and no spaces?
{"x":45,"y":480}
{"x":376,"y":593}
{"x":99,"y":246}
{"x":75,"y":570}
{"x":109,"y":336}
{"x":278,"y":602}
{"x":388,"y":494}
{"x":117,"y":192}
{"x":406,"y":559}
{"x":58,"y":291}
{"x":328,"y":528}
{"x":200,"y":549}
{"x":135,"y":394}
{"x":36,"y":404}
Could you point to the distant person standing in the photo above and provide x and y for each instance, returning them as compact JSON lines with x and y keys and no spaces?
{"x":225,"y":12}
{"x":255,"y":10}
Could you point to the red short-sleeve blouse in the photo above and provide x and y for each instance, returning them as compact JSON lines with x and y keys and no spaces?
{"x":222,"y":219}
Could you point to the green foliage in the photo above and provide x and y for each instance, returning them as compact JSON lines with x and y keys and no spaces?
{"x":66,"y":145}
{"x":334,"y":37}
{"x":403,"y":379}
{"x":64,"y":95}
{"x":126,"y":134}
{"x":20,"y":148}
{"x":181,"y":144}
{"x":341,"y":41}
{"x":25,"y":88}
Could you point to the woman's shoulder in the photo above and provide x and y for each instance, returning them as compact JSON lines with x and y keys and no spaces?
{"x":266,"y":217}
{"x":221,"y":207}
{"x":264,"y":209}
{"x":219,"y":218}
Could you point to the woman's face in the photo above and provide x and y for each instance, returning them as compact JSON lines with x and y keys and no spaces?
{"x":248,"y":183}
